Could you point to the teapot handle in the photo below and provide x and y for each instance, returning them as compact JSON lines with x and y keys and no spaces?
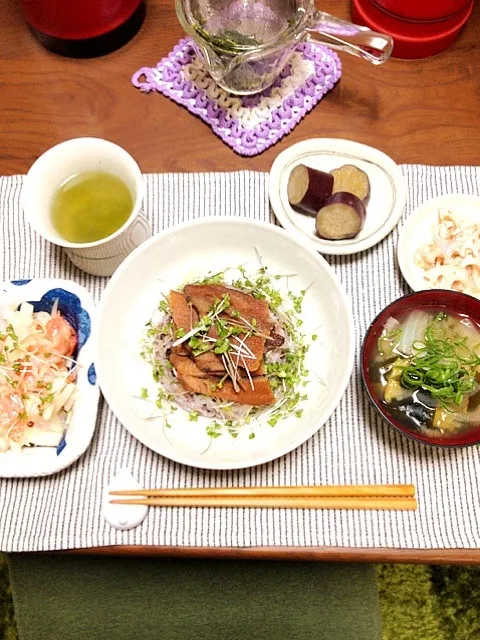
{"x":345,"y":36}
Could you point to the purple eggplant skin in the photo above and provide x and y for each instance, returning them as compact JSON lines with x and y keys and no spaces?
{"x":308,"y":189}
{"x":341,"y":218}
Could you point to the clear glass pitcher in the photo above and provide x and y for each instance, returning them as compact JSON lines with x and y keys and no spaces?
{"x":245,"y":44}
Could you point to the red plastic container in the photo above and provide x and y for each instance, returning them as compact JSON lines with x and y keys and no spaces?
{"x":422,"y":10}
{"x":411,"y":39}
{"x":83,"y":28}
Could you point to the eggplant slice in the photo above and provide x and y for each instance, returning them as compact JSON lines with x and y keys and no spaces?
{"x":341,"y":218}
{"x":351,"y":179}
{"x":308,"y":189}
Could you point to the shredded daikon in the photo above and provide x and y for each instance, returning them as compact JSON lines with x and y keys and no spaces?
{"x":37,"y":377}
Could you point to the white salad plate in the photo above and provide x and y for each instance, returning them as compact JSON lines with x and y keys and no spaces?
{"x":76,"y":304}
{"x":189,"y":252}
{"x":418,"y":231}
{"x":387,"y":191}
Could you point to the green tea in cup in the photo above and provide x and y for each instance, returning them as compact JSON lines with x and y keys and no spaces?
{"x":90,"y":206}
{"x":85,"y":195}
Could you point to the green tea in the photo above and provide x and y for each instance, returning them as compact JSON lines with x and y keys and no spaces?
{"x":90,"y":206}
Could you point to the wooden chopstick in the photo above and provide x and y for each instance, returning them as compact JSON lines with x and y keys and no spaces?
{"x":265,"y":502}
{"x":366,"y":490}
{"x":331,"y":497}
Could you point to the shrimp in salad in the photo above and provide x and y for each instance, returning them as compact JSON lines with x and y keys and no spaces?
{"x":37,"y":377}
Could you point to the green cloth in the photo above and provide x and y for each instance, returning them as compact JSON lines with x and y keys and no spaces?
{"x":66,"y":597}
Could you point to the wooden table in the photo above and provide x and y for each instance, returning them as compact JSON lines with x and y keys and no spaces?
{"x":424,"y":111}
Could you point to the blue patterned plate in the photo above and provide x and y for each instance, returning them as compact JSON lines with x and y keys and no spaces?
{"x":76,"y":305}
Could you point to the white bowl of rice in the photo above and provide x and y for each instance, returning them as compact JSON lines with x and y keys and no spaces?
{"x":303,"y":370}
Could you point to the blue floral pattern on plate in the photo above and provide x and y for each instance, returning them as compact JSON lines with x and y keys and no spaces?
{"x":70,"y":306}
{"x":92,"y":374}
{"x":20,"y":283}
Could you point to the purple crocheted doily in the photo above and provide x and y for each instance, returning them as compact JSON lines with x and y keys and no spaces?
{"x":248,"y":124}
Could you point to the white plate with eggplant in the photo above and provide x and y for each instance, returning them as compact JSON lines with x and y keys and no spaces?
{"x":341,"y":196}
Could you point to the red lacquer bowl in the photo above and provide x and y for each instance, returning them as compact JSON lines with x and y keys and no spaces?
{"x":411,"y":40}
{"x":449,"y":301}
{"x":423,"y":10}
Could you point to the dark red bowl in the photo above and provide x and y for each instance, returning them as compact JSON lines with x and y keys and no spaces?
{"x":450,"y":301}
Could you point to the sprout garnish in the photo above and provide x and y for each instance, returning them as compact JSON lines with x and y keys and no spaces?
{"x":286,"y":371}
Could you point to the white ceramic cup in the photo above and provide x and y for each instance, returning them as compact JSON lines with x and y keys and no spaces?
{"x":71,"y":157}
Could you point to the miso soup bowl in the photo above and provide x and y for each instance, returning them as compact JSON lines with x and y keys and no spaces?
{"x":441,"y":299}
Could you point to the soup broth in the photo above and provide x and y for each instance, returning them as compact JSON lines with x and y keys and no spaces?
{"x":426,"y":370}
{"x":90,"y":206}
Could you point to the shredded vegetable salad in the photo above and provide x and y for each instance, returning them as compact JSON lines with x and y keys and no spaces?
{"x":37,"y":377}
{"x":283,"y":362}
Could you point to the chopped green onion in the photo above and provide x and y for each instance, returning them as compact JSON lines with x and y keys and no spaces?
{"x":444,"y":366}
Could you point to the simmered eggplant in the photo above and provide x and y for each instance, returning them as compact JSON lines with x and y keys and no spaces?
{"x":342,"y":217}
{"x":308,"y":189}
{"x":351,"y":179}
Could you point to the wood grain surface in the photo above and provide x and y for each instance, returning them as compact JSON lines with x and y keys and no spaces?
{"x":424,"y":111}
{"x":299,"y":554}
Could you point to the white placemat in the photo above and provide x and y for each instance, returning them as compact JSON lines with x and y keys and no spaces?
{"x":354,"y":446}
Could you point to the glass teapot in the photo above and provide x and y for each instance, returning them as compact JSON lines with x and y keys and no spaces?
{"x":245,"y":44}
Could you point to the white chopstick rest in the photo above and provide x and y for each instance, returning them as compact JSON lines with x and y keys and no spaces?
{"x":123,"y":516}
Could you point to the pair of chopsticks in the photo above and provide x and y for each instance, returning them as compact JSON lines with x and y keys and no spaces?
{"x":384,"y":497}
